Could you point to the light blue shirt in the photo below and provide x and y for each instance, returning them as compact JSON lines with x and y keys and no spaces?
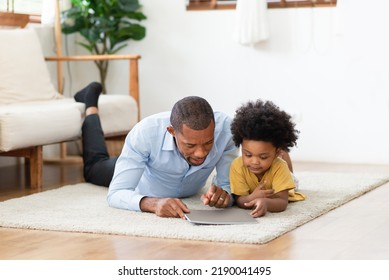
{"x":151,"y":165}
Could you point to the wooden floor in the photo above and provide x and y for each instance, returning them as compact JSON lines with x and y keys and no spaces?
{"x":357,"y":230}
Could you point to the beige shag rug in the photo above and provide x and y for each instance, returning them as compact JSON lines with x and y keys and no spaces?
{"x":83,"y":208}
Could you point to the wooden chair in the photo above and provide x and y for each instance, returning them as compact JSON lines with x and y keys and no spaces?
{"x":51,"y":111}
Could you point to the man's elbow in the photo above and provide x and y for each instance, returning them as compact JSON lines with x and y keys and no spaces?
{"x":110,"y":199}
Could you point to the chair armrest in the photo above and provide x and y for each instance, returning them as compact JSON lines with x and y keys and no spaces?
{"x":133,"y":68}
{"x":94,"y":57}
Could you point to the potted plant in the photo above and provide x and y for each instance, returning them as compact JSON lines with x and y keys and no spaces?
{"x":105,"y":25}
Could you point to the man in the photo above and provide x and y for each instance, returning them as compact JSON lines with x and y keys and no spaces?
{"x":166,"y":156}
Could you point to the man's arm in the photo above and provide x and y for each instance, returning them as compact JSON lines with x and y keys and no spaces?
{"x":121,"y":192}
{"x":129,"y":169}
{"x":128,"y":172}
{"x":219,"y":195}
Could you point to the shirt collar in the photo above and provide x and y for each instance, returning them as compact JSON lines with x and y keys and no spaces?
{"x":168,"y":142}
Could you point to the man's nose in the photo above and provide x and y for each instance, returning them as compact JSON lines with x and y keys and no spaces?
{"x":201,"y":152}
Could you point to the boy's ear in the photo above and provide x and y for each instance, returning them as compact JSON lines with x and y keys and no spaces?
{"x":279,"y":152}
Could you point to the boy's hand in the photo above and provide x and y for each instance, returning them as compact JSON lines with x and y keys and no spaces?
{"x":259,"y":206}
{"x":259,"y":192}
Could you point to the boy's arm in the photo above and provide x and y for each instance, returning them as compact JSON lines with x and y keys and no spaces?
{"x":275,"y":203}
{"x":259,"y":192}
{"x":278,"y":202}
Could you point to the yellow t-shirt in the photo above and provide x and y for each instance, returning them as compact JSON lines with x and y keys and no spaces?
{"x":278,"y":178}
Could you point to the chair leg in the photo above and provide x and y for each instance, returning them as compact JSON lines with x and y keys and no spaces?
{"x":33,"y":163}
{"x":36,"y":165}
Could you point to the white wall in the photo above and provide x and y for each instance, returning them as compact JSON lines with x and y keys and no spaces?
{"x":333,"y":78}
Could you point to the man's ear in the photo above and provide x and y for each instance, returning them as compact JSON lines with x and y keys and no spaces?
{"x":279,"y":152}
{"x":171,"y":130}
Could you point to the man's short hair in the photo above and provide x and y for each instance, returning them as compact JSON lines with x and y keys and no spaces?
{"x":193,"y":111}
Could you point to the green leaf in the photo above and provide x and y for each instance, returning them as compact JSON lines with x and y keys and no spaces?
{"x":134,"y":31}
{"x":117,"y":49}
{"x":129,"y":5}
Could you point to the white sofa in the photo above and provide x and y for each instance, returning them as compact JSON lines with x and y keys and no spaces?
{"x":34,"y":114}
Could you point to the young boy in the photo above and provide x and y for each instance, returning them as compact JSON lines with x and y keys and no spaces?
{"x":261,"y":179}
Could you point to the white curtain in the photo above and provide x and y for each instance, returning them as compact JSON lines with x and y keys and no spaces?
{"x":251,"y":22}
{"x":340,"y":11}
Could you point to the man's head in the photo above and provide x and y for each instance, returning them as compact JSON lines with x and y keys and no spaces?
{"x":193,"y":126}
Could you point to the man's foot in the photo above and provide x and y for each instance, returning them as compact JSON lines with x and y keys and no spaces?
{"x":89,"y":95}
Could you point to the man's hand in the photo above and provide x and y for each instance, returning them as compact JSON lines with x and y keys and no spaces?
{"x":164,"y":207}
{"x":216,"y":197}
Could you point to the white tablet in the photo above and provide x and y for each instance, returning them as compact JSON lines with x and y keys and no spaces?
{"x":227,"y":216}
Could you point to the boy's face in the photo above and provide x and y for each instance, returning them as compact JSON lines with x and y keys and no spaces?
{"x":194,"y":145}
{"x":258,"y":155}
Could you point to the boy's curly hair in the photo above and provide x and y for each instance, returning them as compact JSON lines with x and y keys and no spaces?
{"x":264,"y":121}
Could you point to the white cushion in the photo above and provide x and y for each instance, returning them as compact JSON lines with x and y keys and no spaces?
{"x":29,"y":124}
{"x":39,"y":123}
{"x":118,"y":113}
{"x":23,"y":71}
